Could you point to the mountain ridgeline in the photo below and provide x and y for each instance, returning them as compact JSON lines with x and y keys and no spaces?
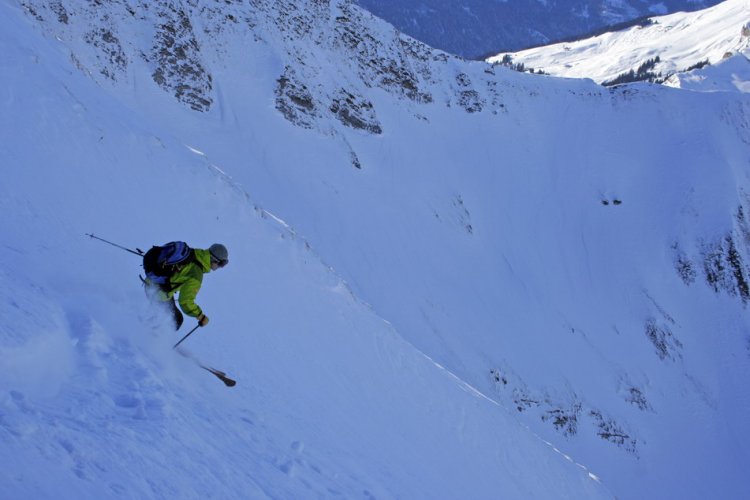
{"x":476,"y":29}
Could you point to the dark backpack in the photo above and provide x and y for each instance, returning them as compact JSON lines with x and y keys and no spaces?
{"x":161,"y":263}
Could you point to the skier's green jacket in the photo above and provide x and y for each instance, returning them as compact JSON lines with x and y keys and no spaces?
{"x":187,"y":281}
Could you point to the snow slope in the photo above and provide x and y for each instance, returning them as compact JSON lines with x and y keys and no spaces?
{"x":681,"y":41}
{"x":473,"y":258}
{"x":331,"y":402}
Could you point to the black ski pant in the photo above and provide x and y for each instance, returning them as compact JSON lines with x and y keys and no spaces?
{"x":176,"y":314}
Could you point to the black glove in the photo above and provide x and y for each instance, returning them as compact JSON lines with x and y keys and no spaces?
{"x":202,"y":320}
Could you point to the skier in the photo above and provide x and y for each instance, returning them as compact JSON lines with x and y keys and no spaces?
{"x":176,"y":268}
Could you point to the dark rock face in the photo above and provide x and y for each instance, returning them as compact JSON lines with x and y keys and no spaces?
{"x":177,"y":57}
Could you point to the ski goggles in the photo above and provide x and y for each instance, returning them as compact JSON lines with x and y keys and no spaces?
{"x":219,"y":262}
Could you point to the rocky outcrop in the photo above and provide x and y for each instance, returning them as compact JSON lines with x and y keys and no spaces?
{"x":176,"y":56}
{"x":294,"y":100}
{"x":355,"y":111}
{"x":112,"y":58}
{"x":181,"y":40}
{"x":105,"y":53}
{"x":720,"y":262}
{"x":569,"y":415}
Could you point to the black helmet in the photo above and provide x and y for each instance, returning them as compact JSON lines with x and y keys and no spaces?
{"x":219,"y":254}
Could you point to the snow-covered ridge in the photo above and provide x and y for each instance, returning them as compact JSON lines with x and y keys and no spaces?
{"x":181,"y":44}
{"x":475,"y":28}
{"x":657,"y":49}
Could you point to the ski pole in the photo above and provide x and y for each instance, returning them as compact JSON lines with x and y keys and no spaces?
{"x":137,"y":251}
{"x":186,"y":336}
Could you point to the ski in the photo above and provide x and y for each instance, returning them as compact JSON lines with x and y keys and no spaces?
{"x":228,"y":381}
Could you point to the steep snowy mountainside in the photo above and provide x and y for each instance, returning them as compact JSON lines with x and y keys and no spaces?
{"x":655,"y":50}
{"x":171,"y":41}
{"x":578,"y":254}
{"x":331,"y":401}
{"x":475,"y":28}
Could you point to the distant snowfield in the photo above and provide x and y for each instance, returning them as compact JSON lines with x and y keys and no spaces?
{"x":728,"y":75}
{"x":471,"y":28}
{"x":680,"y":40}
{"x":507,"y":302}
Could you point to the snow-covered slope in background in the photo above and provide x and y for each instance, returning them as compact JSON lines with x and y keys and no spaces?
{"x":663,"y":46}
{"x":729,"y":75}
{"x":529,"y":248}
{"x":475,"y":28}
